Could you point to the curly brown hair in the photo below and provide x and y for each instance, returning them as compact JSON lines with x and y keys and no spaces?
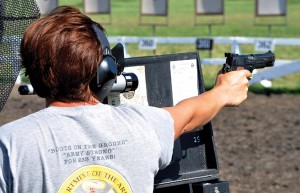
{"x":60,"y":53}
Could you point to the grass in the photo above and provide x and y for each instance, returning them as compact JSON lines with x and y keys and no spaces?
{"x":239,"y":18}
{"x":239,"y":21}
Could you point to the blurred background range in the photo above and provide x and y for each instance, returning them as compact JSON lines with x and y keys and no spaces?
{"x":257,"y":144}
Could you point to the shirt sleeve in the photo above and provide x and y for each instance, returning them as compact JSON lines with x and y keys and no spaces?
{"x":165,"y":135}
{"x":163,"y":125}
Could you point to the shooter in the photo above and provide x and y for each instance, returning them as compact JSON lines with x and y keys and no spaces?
{"x":62,"y":54}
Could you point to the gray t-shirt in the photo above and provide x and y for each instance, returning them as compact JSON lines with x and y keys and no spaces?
{"x":97,"y":148}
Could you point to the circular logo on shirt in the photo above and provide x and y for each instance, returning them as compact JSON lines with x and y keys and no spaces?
{"x":95,"y":179}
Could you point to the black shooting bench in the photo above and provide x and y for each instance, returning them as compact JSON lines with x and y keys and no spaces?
{"x":194,"y":167}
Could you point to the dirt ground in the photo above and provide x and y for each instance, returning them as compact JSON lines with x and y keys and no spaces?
{"x":258,"y":143}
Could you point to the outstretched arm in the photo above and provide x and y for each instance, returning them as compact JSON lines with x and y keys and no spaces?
{"x":230,"y":90}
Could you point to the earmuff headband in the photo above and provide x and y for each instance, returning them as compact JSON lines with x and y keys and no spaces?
{"x":103,"y":40}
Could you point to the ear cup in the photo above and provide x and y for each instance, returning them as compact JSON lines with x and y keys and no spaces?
{"x":106,"y":76}
{"x":107,"y":69}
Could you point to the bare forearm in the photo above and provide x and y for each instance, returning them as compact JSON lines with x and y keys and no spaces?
{"x":230,"y":90}
{"x":196,"y":111}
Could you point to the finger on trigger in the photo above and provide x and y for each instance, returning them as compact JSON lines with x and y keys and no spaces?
{"x":240,"y":68}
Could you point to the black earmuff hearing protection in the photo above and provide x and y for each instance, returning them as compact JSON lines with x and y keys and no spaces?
{"x":107,"y":69}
